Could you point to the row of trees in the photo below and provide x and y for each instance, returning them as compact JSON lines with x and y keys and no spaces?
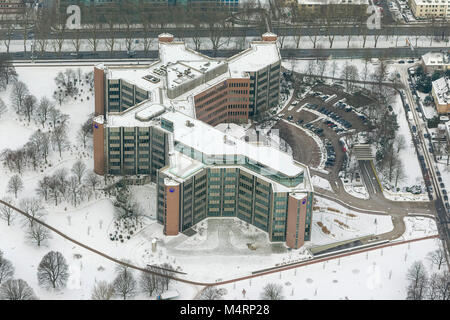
{"x":424,"y":287}
{"x":34,"y":154}
{"x":126,"y":286}
{"x":74,"y":188}
{"x":124,"y":17}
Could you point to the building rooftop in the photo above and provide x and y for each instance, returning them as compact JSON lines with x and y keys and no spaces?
{"x":140,"y":115}
{"x":176,"y":68}
{"x":436,"y":58}
{"x":181,"y":73}
{"x":325,"y":2}
{"x":441,"y":88}
{"x":213,"y":145}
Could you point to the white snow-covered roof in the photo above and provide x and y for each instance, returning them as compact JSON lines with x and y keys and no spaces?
{"x":259,"y":55}
{"x":436,"y":58}
{"x":210,"y":141}
{"x":137,"y":116}
{"x":441,"y":88}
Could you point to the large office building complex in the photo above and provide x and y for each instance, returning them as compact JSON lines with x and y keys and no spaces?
{"x":158,"y":120}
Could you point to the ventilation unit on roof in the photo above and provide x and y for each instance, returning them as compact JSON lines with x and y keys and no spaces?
{"x":207,"y":64}
{"x":189,"y":123}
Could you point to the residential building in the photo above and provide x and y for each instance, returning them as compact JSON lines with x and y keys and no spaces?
{"x":158,"y":120}
{"x":441,"y":94}
{"x":433,"y":61}
{"x":319,"y":7}
{"x":430,"y":8}
{"x":12,"y":7}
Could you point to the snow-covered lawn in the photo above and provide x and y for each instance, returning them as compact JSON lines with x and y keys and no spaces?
{"x":378,"y":274}
{"x":408,"y":155}
{"x":344,"y":224}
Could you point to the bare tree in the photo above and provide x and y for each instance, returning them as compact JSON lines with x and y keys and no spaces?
{"x":15,"y":185}
{"x":53,"y":186}
{"x":8,"y":73}
{"x":6,"y":269}
{"x":211,"y":293}
{"x":437,"y":257}
{"x":93,"y":28}
{"x":167,"y":271}
{"x":3,"y":107}
{"x":321,"y":66}
{"x":42,"y":30}
{"x":272,"y":291}
{"x":42,"y":140}
{"x":38,"y":234}
{"x":8,"y":33}
{"x":78,"y":169}
{"x":53,"y":270}
{"x":76,"y":39}
{"x":16,"y":290}
{"x":85,"y":130}
{"x":438,"y":288}
{"x":149,"y":282}
{"x":75,"y":189}
{"x":29,"y":104}
{"x":43,"y":111}
{"x":18,"y":94}
{"x":34,"y":208}
{"x":92,"y":179}
{"x":125,"y":284}
{"x":102,"y":291}
{"x":59,"y":25}
{"x":418,"y":281}
{"x":6,"y":213}
{"x":111,"y":21}
{"x":59,"y":138}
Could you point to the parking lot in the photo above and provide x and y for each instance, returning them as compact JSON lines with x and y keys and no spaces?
{"x":328,"y":113}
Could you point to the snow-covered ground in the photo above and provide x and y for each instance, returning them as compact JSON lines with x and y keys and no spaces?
{"x":376,"y":275}
{"x":408,"y":155}
{"x":321,"y":183}
{"x":344,"y":224}
{"x":334,"y":67}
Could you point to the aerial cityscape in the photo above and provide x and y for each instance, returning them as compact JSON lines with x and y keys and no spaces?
{"x":224,"y":150}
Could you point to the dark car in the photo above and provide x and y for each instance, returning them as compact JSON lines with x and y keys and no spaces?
{"x":401,"y":61}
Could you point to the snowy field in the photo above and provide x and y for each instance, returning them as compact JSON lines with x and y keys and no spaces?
{"x":344,"y":224}
{"x":408,"y":155}
{"x":377,"y":275}
{"x":301,"y":65}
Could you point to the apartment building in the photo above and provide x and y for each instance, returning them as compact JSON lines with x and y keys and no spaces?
{"x":430,"y":8}
{"x":338,"y":7}
{"x":11,"y":7}
{"x":158,"y":121}
{"x":441,"y":95}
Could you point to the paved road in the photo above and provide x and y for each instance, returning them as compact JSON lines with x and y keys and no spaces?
{"x":441,"y":211}
{"x":257,"y":30}
{"x":354,"y":53}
